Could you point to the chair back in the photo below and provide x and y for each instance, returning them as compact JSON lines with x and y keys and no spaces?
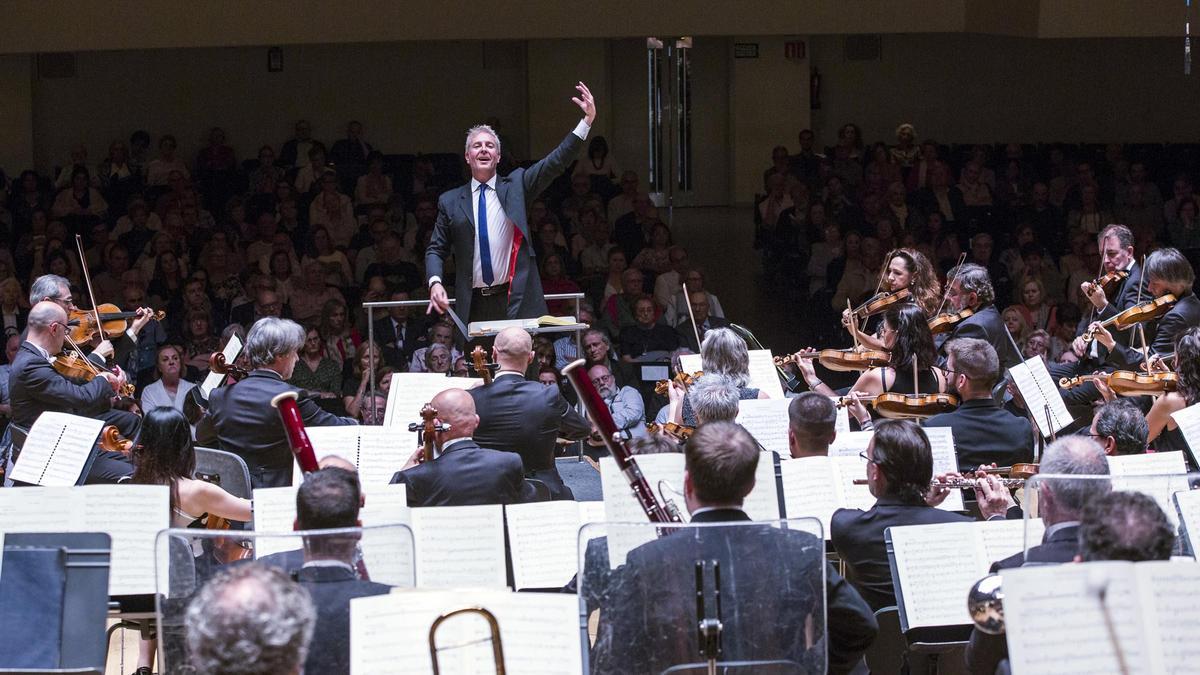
{"x":18,"y":434}
{"x":225,"y":469}
{"x":886,"y":653}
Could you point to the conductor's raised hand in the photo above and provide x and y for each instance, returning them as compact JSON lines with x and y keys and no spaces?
{"x":586,"y":102}
{"x":437,"y":299}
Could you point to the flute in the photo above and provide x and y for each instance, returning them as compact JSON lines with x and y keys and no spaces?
{"x":963,"y":483}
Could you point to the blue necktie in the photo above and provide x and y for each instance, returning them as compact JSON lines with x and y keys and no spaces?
{"x":485,"y":249}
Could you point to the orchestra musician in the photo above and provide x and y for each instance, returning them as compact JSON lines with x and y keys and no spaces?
{"x":1166,"y":271}
{"x":240,"y":419}
{"x":905,"y":334}
{"x":720,"y":461}
{"x":462,"y":473}
{"x":905,"y":268}
{"x":723,"y":353}
{"x":525,"y":417}
{"x":1120,"y":428}
{"x":165,"y":455}
{"x":971,"y":288}
{"x":36,"y":387}
{"x":984,"y":433}
{"x":812,"y":425}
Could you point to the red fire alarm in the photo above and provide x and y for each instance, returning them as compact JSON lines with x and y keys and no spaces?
{"x":793,"y":49}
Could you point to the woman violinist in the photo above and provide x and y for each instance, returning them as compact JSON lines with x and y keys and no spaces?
{"x":905,"y":269}
{"x":905,"y":333}
{"x":165,"y":455}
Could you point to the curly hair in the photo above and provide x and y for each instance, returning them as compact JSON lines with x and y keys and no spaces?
{"x":1187,"y":364}
{"x":923,"y":282}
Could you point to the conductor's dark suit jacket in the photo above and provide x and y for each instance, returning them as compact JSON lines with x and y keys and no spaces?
{"x":858,"y":537}
{"x":242,"y":421}
{"x":764,"y":605}
{"x":516,"y":415}
{"x":466,"y":475}
{"x":987,"y":325}
{"x":1161,"y":334}
{"x":454,"y":232}
{"x":332,"y":589}
{"x":985,"y":433}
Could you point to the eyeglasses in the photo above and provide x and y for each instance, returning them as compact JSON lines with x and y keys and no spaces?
{"x":863,"y":454}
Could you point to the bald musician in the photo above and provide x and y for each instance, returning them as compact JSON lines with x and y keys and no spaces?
{"x":525,"y":417}
{"x":462,"y":473}
{"x":36,"y":387}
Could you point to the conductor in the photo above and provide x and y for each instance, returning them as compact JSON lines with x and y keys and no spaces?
{"x":484,"y":222}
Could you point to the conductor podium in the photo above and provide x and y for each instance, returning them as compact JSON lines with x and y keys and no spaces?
{"x":728,"y":597}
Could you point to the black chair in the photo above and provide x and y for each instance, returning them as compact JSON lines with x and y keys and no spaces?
{"x":82,"y":639}
{"x":886,"y":653}
{"x":225,"y":469}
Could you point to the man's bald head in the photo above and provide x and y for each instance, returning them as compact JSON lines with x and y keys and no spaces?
{"x":456,"y":408}
{"x":334,"y":461}
{"x":43,"y":319}
{"x":513,"y":349}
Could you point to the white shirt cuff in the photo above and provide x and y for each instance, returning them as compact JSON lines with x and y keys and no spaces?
{"x":582,"y":129}
{"x":435,"y":279}
{"x":132,"y":336}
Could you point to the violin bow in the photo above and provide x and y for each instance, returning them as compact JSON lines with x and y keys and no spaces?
{"x":691,"y":315}
{"x":853,"y":323}
{"x":87,"y":277}
{"x":962,"y":257}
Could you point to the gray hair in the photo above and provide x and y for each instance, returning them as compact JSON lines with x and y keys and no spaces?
{"x":974,"y":278}
{"x":724,"y":353}
{"x":1075,"y":456}
{"x":432,"y":349}
{"x":249,"y":619}
{"x":481,"y":129}
{"x":976,"y":359}
{"x":271,"y":338}
{"x":714,"y":399}
{"x":1122,"y":233}
{"x":1125,"y":423}
{"x":47,"y":286}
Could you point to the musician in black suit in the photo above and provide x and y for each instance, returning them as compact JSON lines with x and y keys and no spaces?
{"x":767,"y":576}
{"x":399,"y":333}
{"x":328,"y":499}
{"x":971,"y":288}
{"x":1167,"y":271}
{"x":503,"y":282}
{"x":462,"y":473}
{"x":36,"y":387}
{"x":704,"y":321}
{"x":240,"y":417}
{"x":516,"y":415}
{"x":984,"y":433}
{"x":899,"y":470}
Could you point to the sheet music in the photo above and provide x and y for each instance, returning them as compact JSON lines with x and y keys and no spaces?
{"x":810,"y":489}
{"x":213,"y":380}
{"x":275,"y":513}
{"x":388,"y":553}
{"x":540,"y":633}
{"x":1055,"y":622}
{"x":1003,"y":538}
{"x":842,"y":425}
{"x":460,"y":546}
{"x":767,"y":421}
{"x":132,"y":515}
{"x":377,"y":451}
{"x":57,"y":449}
{"x":411,"y":391}
{"x":544,"y":540}
{"x":1187,"y":508}
{"x":941,"y":445}
{"x":1188,"y":421}
{"x":936,"y":565}
{"x":1157,"y":474}
{"x":1039,"y":390}
{"x":1172,"y":588}
{"x":761,"y":369}
{"x":1147,"y":464}
{"x":850,"y":443}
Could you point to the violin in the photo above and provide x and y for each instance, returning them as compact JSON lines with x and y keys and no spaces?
{"x":944,"y":323}
{"x":1108,"y":282}
{"x":111,"y":440}
{"x":74,"y":366}
{"x":880,"y":302}
{"x":897,"y":406}
{"x":1128,"y":383}
{"x":1147,"y":311}
{"x":682,"y":379}
{"x":113,"y":322}
{"x":680,"y":432}
{"x":1021,"y":470}
{"x":841,"y":360}
{"x":218,"y":365}
{"x":481,"y":367}
{"x":225,"y":549}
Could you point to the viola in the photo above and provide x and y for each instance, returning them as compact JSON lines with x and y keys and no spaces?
{"x":680,"y":432}
{"x":1128,"y":383}
{"x":894,"y":405}
{"x":1147,"y":311}
{"x":481,"y":367}
{"x":880,"y":302}
{"x":217,"y":364}
{"x":682,"y":379}
{"x":841,"y":360}
{"x":74,"y":366}
{"x":944,"y":323}
{"x":1020,"y":470}
{"x":111,"y":440}
{"x":1108,"y":282}
{"x":113,"y":322}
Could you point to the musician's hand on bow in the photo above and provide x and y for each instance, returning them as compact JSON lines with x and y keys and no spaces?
{"x":144,"y":315}
{"x":437,"y":299}
{"x":937,"y":495}
{"x":1095,"y":294}
{"x":857,"y":408}
{"x":807,"y":370}
{"x":1157,"y":364}
{"x":1102,"y":386}
{"x":1101,"y":334}
{"x":993,"y":498}
{"x":1079,"y":346}
{"x":586,"y":102}
{"x":104,"y":350}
